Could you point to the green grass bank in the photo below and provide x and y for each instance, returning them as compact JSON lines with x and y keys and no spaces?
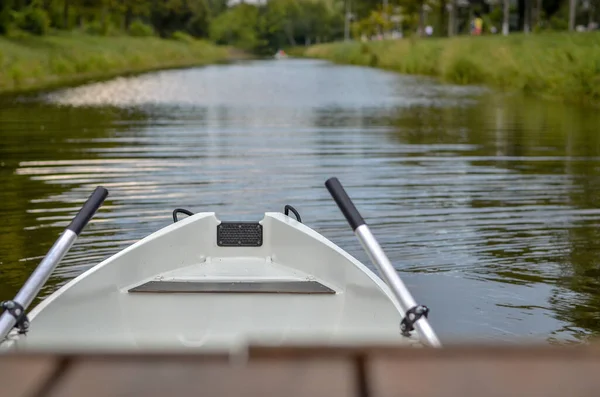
{"x":33,"y":62}
{"x":554,"y":65}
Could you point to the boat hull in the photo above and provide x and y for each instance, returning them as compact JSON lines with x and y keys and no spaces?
{"x":181,"y":288}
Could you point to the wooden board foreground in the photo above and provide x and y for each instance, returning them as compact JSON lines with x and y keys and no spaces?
{"x":311,"y":372}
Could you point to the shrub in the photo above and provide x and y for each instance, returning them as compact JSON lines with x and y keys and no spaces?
{"x":140,"y":29}
{"x":182,"y":36}
{"x":464,"y":71}
{"x":558,"y":23}
{"x":15,"y":33}
{"x":34,"y":20}
{"x":100,"y":28}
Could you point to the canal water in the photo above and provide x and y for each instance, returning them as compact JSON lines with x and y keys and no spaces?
{"x":487,"y":203}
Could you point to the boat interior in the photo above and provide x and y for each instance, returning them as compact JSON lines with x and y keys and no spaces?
{"x":201,"y":283}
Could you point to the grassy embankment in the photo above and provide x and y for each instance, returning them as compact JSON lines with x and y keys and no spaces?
{"x":554,"y":65}
{"x":41,"y":62}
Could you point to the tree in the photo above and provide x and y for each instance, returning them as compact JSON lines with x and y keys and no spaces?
{"x":572,"y":14}
{"x":134,"y":9}
{"x":237,"y":26}
{"x":5,"y":15}
{"x":506,"y":21}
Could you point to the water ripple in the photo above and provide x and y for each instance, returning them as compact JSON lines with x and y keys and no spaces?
{"x":490,"y":216}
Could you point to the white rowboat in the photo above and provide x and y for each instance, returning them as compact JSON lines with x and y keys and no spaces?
{"x":209,"y":285}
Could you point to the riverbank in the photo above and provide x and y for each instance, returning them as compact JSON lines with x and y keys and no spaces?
{"x":558,"y":65}
{"x":32,"y":62}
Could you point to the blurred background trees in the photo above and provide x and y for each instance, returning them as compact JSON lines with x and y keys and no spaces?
{"x":272,"y":24}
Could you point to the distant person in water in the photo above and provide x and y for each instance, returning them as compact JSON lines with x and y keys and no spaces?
{"x":280,"y":54}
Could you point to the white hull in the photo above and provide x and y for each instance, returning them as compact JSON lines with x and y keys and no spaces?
{"x":337,"y":300}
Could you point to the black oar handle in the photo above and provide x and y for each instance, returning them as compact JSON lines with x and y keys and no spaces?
{"x":343,"y":201}
{"x":88,"y":210}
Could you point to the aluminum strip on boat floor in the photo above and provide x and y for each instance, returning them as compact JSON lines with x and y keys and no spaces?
{"x":261,"y":287}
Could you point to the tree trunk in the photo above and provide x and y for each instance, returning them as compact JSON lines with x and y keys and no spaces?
{"x":103,"y":20}
{"x":538,"y":13}
{"x":521,"y":14}
{"x":572,"y":11}
{"x":347,"y":21}
{"x":5,"y":15}
{"x":128,"y":18}
{"x":470,"y":24}
{"x":443,"y":10}
{"x":506,"y":21}
{"x":290,"y":35}
{"x":451,"y":17}
{"x":385,"y":18}
{"x":526,"y":16}
{"x":421,"y":18}
{"x":66,"y":15}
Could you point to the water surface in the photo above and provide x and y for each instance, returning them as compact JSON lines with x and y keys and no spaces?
{"x":487,"y":204}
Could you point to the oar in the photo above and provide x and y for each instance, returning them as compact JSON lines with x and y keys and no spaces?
{"x":415,"y":315}
{"x":14,"y":310}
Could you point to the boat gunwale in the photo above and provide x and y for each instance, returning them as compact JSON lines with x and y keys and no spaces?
{"x":275,"y":216}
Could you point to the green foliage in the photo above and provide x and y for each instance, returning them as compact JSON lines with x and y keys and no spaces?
{"x":463,"y":70}
{"x":263,"y":27}
{"x":278,"y":24}
{"x":565,"y":66}
{"x":6,"y":9}
{"x":237,"y":26}
{"x":496,"y":16}
{"x":372,"y":25}
{"x":182,"y":36}
{"x":558,"y":23}
{"x":140,"y":29}
{"x":268,"y":25}
{"x":34,"y":20}
{"x":168,"y":16}
{"x":35,"y":62}
{"x":199,"y":19}
{"x":101,"y":28}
